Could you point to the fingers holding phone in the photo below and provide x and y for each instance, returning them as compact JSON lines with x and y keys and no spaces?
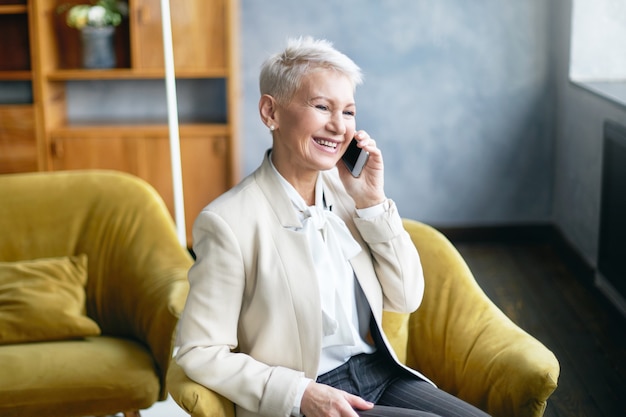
{"x":363,"y":160}
{"x":355,"y":158}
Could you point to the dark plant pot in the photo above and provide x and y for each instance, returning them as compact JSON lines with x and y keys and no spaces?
{"x":98,"y":47}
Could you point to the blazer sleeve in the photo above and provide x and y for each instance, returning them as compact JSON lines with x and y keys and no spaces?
{"x":395,"y":260}
{"x":207,"y":332}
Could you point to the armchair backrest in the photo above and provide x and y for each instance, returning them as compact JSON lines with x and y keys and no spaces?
{"x":118,"y":220}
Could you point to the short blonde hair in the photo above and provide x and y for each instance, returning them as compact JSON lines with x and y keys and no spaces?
{"x":282,"y":73}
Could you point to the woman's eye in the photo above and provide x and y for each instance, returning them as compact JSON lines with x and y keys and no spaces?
{"x":321,"y":107}
{"x":349,"y":113}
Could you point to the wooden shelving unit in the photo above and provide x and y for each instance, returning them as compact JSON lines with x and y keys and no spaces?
{"x":41,"y":135}
{"x":18,"y":146}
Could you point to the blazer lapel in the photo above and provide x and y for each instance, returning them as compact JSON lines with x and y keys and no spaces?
{"x":298,"y":266}
{"x":273,"y":191}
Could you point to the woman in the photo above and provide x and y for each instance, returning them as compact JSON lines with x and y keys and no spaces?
{"x":296,"y":263}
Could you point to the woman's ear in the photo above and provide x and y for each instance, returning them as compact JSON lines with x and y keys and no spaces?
{"x":267,"y":110}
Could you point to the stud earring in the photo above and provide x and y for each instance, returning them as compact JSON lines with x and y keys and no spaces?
{"x":272,"y":128}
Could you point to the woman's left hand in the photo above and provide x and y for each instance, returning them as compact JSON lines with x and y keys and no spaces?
{"x":368,"y":189}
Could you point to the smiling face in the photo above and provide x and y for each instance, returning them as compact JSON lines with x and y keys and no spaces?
{"x":315,"y":127}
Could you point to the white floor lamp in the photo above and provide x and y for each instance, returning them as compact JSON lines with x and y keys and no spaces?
{"x":172,"y":118}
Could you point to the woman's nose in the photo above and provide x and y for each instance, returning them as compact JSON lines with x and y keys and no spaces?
{"x":337,"y":124}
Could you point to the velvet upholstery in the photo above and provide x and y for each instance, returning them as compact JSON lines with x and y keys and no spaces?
{"x":43,"y":300}
{"x":136,"y":282}
{"x":466,"y":345}
{"x":457,"y":337}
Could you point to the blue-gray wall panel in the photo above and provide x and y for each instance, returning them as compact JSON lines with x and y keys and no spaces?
{"x":456,"y":93}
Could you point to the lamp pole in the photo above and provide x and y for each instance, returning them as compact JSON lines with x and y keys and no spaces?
{"x":172,"y":118}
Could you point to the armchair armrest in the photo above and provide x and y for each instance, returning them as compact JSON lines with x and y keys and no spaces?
{"x":156,"y":275}
{"x":518,"y":371}
{"x":158,"y":315}
{"x":194,"y":398}
{"x":137,"y":268}
{"x":466,"y":345}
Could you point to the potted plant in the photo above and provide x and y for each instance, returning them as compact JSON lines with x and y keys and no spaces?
{"x":96,"y":23}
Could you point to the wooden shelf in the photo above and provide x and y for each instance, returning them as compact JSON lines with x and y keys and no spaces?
{"x":16,"y":75}
{"x":130,"y":74}
{"x":13,"y":9}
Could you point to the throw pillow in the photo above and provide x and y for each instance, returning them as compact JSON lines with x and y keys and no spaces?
{"x":44,"y":300}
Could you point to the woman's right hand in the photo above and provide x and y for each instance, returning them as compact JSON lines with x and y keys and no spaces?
{"x":321,"y":400}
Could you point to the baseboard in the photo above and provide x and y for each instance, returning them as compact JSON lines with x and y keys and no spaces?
{"x":545,"y":233}
{"x":576,"y":262}
{"x":536,"y":232}
{"x":611,"y":293}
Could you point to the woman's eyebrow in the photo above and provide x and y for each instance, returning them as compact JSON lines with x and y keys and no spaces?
{"x":322,"y":97}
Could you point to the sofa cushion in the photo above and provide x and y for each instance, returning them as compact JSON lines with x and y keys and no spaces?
{"x":76,"y":377}
{"x":44,"y":299}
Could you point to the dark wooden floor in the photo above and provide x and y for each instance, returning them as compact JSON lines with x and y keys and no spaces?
{"x":539,"y":292}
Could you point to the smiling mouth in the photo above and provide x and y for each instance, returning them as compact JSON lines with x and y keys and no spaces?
{"x":326,"y":143}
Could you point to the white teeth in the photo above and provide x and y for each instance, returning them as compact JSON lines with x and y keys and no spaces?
{"x":326,"y":143}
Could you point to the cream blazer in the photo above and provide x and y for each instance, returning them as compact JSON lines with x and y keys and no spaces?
{"x":251,"y":327}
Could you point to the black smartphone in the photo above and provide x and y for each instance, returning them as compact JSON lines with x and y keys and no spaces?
{"x":355,"y":158}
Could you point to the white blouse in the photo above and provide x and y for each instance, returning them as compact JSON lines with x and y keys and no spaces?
{"x":345,"y":311}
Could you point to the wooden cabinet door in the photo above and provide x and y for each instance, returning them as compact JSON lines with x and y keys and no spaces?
{"x":96,"y":152}
{"x":18,"y":145}
{"x":198,"y":34}
{"x":204,"y":171}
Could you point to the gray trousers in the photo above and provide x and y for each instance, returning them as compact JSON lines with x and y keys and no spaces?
{"x":394,"y":391}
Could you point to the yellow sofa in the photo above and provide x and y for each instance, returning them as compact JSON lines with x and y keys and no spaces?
{"x":91,"y":278}
{"x":457,"y":337}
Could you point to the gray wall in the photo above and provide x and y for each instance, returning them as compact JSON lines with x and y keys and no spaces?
{"x":578,"y":144}
{"x":456,"y":93}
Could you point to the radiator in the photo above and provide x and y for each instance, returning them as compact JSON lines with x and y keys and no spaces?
{"x":611,"y":271}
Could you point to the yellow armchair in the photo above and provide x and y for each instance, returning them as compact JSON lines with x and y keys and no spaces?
{"x":457,"y":337}
{"x":136,"y":282}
